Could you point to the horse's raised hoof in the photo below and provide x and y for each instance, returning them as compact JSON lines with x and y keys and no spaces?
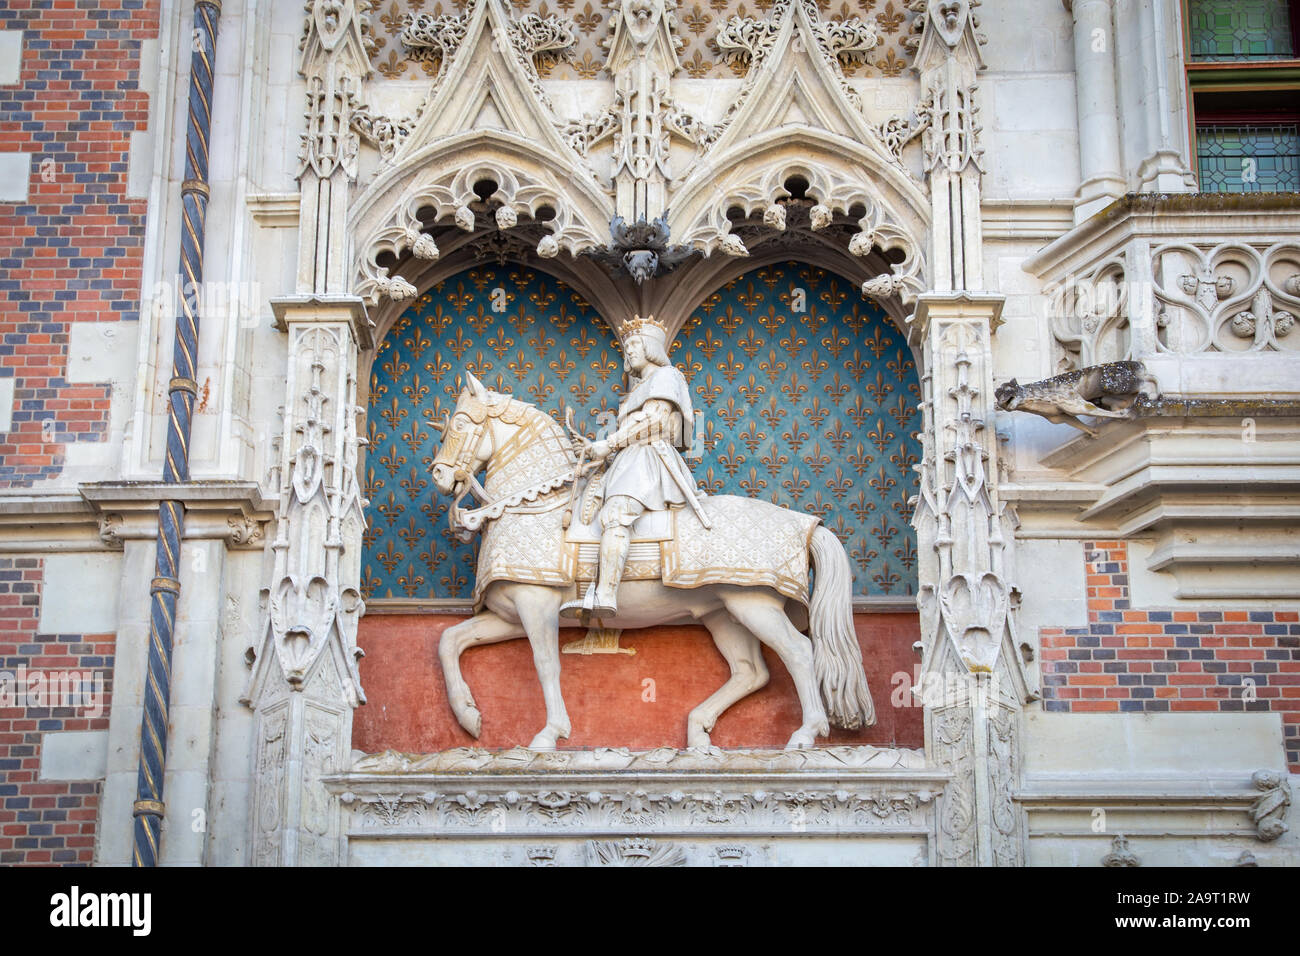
{"x":697,"y":740}
{"x":471,"y":719}
{"x":803,"y":739}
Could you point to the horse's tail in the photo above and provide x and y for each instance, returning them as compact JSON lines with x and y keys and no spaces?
{"x":837,"y":658}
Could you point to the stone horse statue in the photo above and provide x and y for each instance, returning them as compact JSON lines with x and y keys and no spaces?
{"x":737,"y":577}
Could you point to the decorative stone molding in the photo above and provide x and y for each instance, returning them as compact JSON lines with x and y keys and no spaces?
{"x":1120,"y":855}
{"x":703,"y":807}
{"x":1270,"y":809}
{"x":230,"y":510}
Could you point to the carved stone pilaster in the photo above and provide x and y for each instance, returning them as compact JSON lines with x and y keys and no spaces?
{"x":973,"y":680}
{"x":304,"y":683}
{"x":948,"y":60}
{"x":335,"y":60}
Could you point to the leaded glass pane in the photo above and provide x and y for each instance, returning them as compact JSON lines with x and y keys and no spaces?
{"x":1243,"y":159}
{"x":1240,"y":29}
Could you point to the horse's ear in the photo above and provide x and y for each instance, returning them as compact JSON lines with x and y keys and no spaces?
{"x":475,"y":387}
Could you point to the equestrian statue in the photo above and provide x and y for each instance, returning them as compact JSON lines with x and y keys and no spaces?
{"x":614,"y":530}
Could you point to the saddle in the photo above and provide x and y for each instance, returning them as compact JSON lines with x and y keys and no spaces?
{"x":645,"y":552}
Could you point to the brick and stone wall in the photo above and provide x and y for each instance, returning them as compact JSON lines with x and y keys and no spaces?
{"x":71,"y":238}
{"x":1135,"y":660}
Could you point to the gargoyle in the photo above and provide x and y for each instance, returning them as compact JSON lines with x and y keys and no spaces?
{"x":1106,"y":391}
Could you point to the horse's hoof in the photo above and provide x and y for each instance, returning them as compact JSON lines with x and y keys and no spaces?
{"x":543,"y":741}
{"x":698,"y":740}
{"x":802,"y":740}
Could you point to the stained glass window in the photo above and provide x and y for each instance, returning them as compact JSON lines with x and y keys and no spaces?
{"x":1239,"y":29}
{"x":1242,"y":158}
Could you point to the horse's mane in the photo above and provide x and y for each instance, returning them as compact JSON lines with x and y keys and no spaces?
{"x":530,"y":414}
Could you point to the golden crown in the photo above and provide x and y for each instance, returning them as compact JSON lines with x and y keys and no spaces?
{"x":639,"y":325}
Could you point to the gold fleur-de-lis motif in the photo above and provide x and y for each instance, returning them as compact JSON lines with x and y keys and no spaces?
{"x":479,"y":365}
{"x":901,"y":411}
{"x":460,"y":299}
{"x":900,"y":365}
{"x":751,"y":436}
{"x":863,"y":554}
{"x":836,"y":390}
{"x":749,"y":342}
{"x":562,"y":365}
{"x":774,"y":460}
{"x":857,"y":366}
{"x":793,"y":342}
{"x":839,"y":484}
{"x":417,"y":342}
{"x":795,"y":486}
{"x":709,"y":390}
{"x":389,"y":509}
{"x":372,"y":534}
{"x":481,"y":277}
{"x":750,"y":298}
{"x":437,"y":367}
{"x":770,"y":277}
{"x":772,"y":365}
{"x":818,"y":507}
{"x":860,"y":460}
{"x":880,"y":436}
{"x":413,"y":484}
{"x":771,"y":320}
{"x":814,"y":365}
{"x":794,"y":389}
{"x":438,"y":319}
{"x":411,"y":533}
{"x":834,"y":296}
{"x":906,"y":553}
{"x":414,"y":437}
{"x":410,"y":582}
{"x":588,"y":19}
{"x":415,"y":391}
{"x":373,"y":435}
{"x":541,"y":342}
{"x":837,"y":435}
{"x":731,"y":460}
{"x":884,"y":532}
{"x":730,"y":321}
{"x":395,"y":366}
{"x":882,"y":482}
{"x":372,"y":484}
{"x":432,"y":558}
{"x":711,"y":484}
{"x":453,"y":582}
{"x":480,"y":320}
{"x":795,"y":436}
{"x":541,"y":390}
{"x":886,"y":579}
{"x":582,"y":390}
{"x":689,"y":366}
{"x":879,"y":342}
{"x":730,"y":414}
{"x":394,"y":413}
{"x":861,"y":506}
{"x":711,"y":435}
{"x":459,"y":344}
{"x":859,"y":411}
{"x":813,"y":320}
{"x":389,"y":557}
{"x":708,"y":343}
{"x":711,"y":303}
{"x":378,"y":389}
{"x":731,"y":367}
{"x":520,"y":366}
{"x":879,"y":390}
{"x":369,"y":583}
{"x":856,"y":320}
{"x":817,"y":460}
{"x":563,"y":319}
{"x":816,"y":412}
{"x":835,"y":342}
{"x":542,"y":298}
{"x":751,"y":391}
{"x":773,"y":414}
{"x":604,"y":366}
{"x":753,"y":485}
{"x":392,"y":461}
{"x":500,"y":342}
{"x":904,"y":461}
{"x":583,"y":342}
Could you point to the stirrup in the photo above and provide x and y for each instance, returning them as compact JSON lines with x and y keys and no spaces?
{"x":580,"y":608}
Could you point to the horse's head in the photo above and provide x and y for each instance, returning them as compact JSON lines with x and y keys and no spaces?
{"x":464,"y":451}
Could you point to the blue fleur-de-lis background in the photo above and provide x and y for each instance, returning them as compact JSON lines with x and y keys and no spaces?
{"x":808,"y":398}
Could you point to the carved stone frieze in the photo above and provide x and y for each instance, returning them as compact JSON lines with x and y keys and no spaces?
{"x":1271,"y":807}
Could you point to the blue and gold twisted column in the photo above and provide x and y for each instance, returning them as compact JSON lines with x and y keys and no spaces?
{"x":166,"y":585}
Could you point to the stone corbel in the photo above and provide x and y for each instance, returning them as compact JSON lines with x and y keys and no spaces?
{"x":233,"y":511}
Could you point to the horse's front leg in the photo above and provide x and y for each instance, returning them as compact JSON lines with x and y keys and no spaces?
{"x":539,"y":610}
{"x":483,"y":628}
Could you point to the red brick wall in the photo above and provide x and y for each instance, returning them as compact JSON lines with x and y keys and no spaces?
{"x":73,"y":252}
{"x":43,"y":823}
{"x":1149,"y":661}
{"x":605,"y":694}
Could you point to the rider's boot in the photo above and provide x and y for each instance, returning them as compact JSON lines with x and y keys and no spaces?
{"x":614,"y":544}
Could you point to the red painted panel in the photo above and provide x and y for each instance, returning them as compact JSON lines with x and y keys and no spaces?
{"x":408,"y":709}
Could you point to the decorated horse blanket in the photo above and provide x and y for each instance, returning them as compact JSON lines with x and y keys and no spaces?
{"x":752,"y":543}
